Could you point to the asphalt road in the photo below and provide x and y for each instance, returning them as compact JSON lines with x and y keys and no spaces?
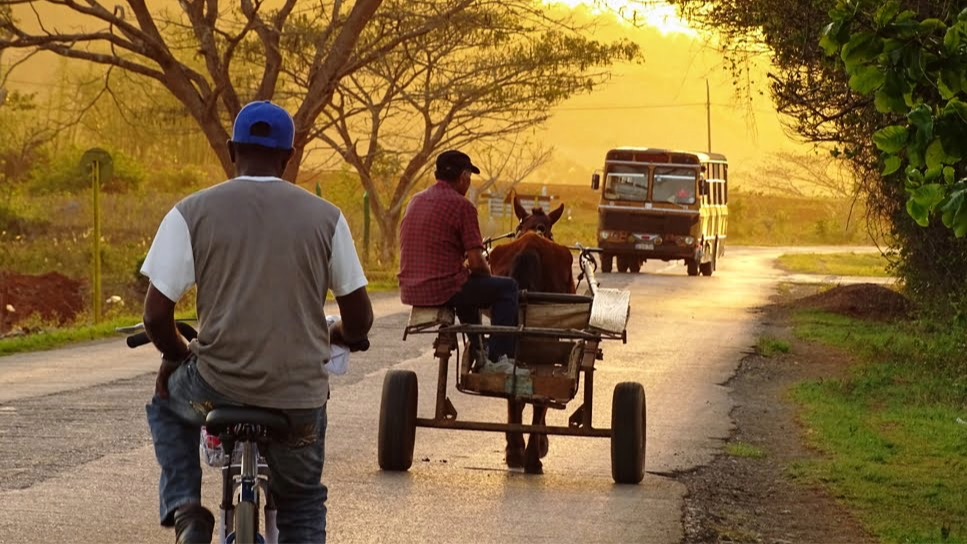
{"x":76,"y":461}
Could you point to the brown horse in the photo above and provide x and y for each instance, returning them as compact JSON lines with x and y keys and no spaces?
{"x":541,"y":265}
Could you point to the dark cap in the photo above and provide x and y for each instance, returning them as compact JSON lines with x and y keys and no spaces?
{"x":276,"y":130}
{"x":455,"y":161}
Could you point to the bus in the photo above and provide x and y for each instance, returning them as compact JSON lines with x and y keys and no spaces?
{"x":664,"y":205}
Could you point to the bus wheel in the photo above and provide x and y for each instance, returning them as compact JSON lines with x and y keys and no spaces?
{"x":706,"y":268}
{"x":635,"y":266}
{"x":606,"y":261}
{"x":692,"y":266}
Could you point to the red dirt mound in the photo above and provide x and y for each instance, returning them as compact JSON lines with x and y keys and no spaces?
{"x":862,"y":300}
{"x":54,"y":297}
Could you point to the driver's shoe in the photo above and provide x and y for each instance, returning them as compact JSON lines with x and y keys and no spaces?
{"x":194,"y":524}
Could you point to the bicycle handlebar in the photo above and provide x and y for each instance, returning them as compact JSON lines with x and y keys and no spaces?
{"x":141,"y":338}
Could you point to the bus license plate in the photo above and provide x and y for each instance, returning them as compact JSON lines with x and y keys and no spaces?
{"x":644,"y":246}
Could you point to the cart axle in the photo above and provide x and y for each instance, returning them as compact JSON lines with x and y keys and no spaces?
{"x":510,"y":427}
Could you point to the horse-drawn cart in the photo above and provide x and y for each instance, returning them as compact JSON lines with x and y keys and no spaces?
{"x":558,"y":343}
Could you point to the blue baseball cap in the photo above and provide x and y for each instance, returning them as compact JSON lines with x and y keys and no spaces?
{"x":265,"y":124}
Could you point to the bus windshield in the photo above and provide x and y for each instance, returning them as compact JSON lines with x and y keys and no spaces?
{"x":626,"y":182}
{"x":675,"y":185}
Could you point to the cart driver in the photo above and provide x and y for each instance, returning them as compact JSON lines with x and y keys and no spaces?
{"x":442,"y":261}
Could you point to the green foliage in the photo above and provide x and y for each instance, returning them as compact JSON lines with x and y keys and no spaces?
{"x":894,"y":449}
{"x":915,"y":67}
{"x":741,"y":449}
{"x":64,"y":174}
{"x":812,"y":90}
{"x":18,"y":219}
{"x":771,"y":347}
{"x":837,"y":264}
{"x":757,"y":218}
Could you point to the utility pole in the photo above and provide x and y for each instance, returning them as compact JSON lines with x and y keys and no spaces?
{"x":708,"y":115}
{"x":3,"y":90}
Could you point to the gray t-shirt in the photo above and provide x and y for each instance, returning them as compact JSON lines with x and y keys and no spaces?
{"x":264,"y":253}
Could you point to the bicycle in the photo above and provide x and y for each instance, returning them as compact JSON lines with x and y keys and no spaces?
{"x":245,"y":474}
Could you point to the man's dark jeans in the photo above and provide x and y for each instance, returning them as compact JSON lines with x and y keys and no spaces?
{"x":498,"y":293}
{"x":296,"y":462}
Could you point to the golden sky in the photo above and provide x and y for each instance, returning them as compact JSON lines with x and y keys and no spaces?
{"x":661,"y":102}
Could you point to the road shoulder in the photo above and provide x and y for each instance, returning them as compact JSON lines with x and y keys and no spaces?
{"x":747,"y":494}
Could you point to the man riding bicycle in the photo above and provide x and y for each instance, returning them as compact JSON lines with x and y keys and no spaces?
{"x":263,"y":253}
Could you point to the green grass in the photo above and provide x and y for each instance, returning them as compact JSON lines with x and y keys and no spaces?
{"x":60,"y":337}
{"x":770,"y":347}
{"x":893,"y":450}
{"x":741,"y":449}
{"x":836,"y":264}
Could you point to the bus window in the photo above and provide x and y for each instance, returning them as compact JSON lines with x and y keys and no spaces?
{"x":626,"y":182}
{"x":675,"y":185}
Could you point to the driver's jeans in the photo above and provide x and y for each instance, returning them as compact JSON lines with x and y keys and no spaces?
{"x":498,"y":293}
{"x":295,"y":463}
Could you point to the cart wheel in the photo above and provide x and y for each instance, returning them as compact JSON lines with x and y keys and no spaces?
{"x":635,"y":266}
{"x":397,"y":420}
{"x":628,"y":433}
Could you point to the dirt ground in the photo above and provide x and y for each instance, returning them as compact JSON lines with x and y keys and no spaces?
{"x":53,"y":297}
{"x":742,"y":499}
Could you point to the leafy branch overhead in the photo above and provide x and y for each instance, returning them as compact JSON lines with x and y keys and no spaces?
{"x":214,"y":56}
{"x":916,"y":72}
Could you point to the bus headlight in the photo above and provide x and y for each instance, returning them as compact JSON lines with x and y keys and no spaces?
{"x":605,"y":234}
{"x":689,"y":240}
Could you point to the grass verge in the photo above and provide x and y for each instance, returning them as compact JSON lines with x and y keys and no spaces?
{"x":57,"y":337}
{"x":836,"y":264}
{"x":894,"y":447}
{"x":60,"y":337}
{"x":741,"y":449}
{"x":770,"y":347}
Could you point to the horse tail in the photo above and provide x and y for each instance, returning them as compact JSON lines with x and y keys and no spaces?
{"x":526,"y":269}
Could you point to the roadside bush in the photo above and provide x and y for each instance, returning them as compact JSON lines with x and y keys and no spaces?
{"x":16,"y":222}
{"x":64,"y":174}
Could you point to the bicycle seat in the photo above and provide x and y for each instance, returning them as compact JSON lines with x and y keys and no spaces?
{"x":219,"y":419}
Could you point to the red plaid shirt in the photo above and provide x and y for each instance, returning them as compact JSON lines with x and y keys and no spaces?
{"x":439,"y":228}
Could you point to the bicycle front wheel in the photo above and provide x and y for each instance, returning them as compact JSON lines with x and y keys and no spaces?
{"x":246,"y":516}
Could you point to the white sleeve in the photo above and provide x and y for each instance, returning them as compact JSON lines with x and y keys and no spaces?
{"x":345,"y":271}
{"x":170,"y":264}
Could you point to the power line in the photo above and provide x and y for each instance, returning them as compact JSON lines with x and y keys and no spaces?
{"x":657,"y":106}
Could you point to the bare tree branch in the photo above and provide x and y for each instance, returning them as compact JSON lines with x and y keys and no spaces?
{"x":165,"y":46}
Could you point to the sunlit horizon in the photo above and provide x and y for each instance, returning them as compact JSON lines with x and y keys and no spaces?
{"x":661,"y":16}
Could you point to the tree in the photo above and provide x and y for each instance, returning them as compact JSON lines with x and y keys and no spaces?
{"x":806,"y":176}
{"x":240,"y":47}
{"x":814,"y":93}
{"x":912,"y":65}
{"x":454,"y":88}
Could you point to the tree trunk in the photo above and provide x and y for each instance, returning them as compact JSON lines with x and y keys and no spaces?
{"x":292,"y":169}
{"x":389,"y":229}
